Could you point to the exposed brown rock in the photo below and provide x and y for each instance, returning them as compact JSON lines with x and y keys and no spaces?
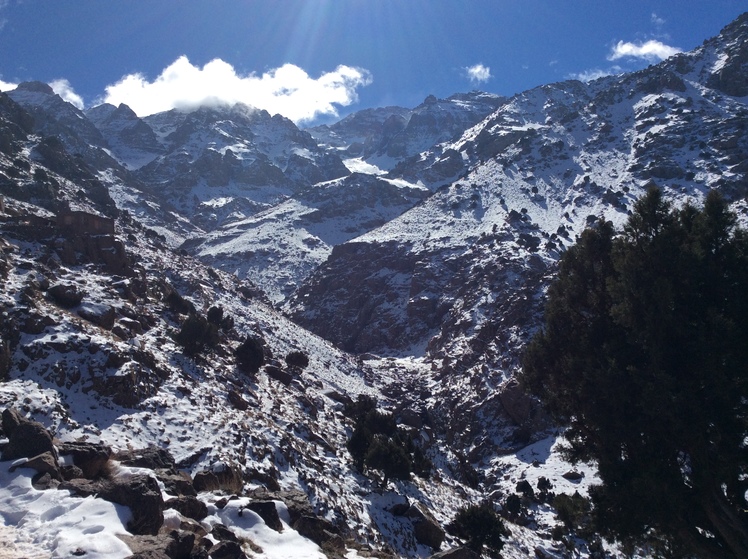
{"x":26,"y":438}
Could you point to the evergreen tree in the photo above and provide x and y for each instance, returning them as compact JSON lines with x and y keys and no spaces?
{"x":197,"y":334}
{"x":480,"y":526}
{"x":250,"y":355}
{"x":390,"y":457}
{"x":644,"y":353}
{"x":379,"y":444}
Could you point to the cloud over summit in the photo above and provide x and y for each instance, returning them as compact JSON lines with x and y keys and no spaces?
{"x":287,"y":90}
{"x":478,"y":73}
{"x":651,"y":51}
{"x":65,"y":90}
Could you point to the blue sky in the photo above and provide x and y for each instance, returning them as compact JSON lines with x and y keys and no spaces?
{"x":315,"y":59}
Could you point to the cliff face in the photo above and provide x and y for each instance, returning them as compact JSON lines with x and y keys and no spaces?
{"x":461,"y":276}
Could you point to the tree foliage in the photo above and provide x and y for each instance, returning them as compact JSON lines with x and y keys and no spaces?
{"x":250,"y":355}
{"x":197,"y":334}
{"x":378,"y":443}
{"x":389,"y":456}
{"x":297,"y":359}
{"x":644,"y":353}
{"x":479,"y":525}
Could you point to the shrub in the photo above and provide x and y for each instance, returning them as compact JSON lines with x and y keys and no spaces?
{"x":179,"y":304}
{"x":479,"y":525}
{"x":572,"y":510}
{"x":378,"y":443}
{"x":215,"y":315}
{"x":197,"y":334}
{"x":390,"y":457}
{"x":357,"y":410}
{"x":250,"y":355}
{"x":297,"y":359}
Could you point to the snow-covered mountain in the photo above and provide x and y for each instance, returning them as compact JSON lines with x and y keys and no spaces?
{"x":384,"y":137}
{"x":279,"y":247}
{"x":409,"y":251}
{"x":93,"y":305}
{"x":460,"y":278}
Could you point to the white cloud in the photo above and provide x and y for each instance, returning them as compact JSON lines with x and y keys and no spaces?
{"x":6,"y":86}
{"x":287,"y":90}
{"x":65,"y":90}
{"x":595,"y":73}
{"x":651,"y":50}
{"x":657,"y":20}
{"x":478,"y":73}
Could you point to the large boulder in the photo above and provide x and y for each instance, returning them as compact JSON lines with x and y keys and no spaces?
{"x":66,"y":295}
{"x":91,"y":458}
{"x":188,"y":506}
{"x":101,"y":315}
{"x":175,"y":482}
{"x":425,"y":528}
{"x":176,"y":544}
{"x":44,"y":463}
{"x":227,"y":550}
{"x":140,"y":493}
{"x":319,"y":530}
{"x":152,"y":457}
{"x":26,"y":438}
{"x":268,"y":512}
{"x":297,"y":503}
{"x":12,"y":418}
{"x":220,"y":477}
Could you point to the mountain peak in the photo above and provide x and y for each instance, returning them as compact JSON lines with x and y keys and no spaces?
{"x":36,"y":86}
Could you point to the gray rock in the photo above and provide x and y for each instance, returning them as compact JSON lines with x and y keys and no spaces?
{"x":221,"y":477}
{"x":67,"y":296}
{"x":191,"y":507}
{"x":91,"y":458}
{"x":44,"y":463}
{"x":425,"y":528}
{"x":151,"y":457}
{"x":25,"y":438}
{"x":268,"y":512}
{"x":316,"y":529}
{"x":226,"y":550}
{"x":140,"y":493}
{"x":101,"y":315}
{"x":456,"y":553}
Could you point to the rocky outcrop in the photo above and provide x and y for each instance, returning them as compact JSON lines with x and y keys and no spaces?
{"x":140,"y":493}
{"x":220,"y":477}
{"x":268,"y":512}
{"x":731,"y":75}
{"x":44,"y":463}
{"x":188,"y":506}
{"x":91,"y":458}
{"x":396,"y":134}
{"x":456,"y":553}
{"x":360,"y":298}
{"x":26,"y":438}
{"x":175,"y":544}
{"x":426,"y":529}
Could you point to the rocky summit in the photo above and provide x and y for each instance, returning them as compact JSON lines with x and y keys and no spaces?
{"x":214,"y":322}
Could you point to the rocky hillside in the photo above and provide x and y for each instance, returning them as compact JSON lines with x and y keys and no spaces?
{"x":459,"y":278}
{"x":386,"y":136}
{"x":171,"y":392}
